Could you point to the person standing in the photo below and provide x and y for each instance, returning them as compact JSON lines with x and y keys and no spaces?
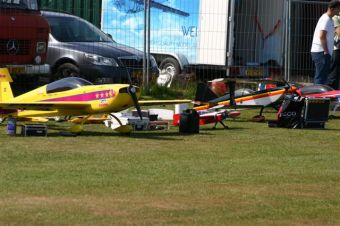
{"x":334,"y":76}
{"x":322,"y":45}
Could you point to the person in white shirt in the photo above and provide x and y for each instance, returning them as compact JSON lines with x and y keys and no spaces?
{"x":334,"y":75}
{"x":322,"y":45}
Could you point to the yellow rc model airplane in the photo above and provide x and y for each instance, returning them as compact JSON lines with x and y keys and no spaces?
{"x":72,"y":96}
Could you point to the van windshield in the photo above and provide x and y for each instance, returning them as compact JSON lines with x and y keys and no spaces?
{"x":71,"y":29}
{"x":19,"y":4}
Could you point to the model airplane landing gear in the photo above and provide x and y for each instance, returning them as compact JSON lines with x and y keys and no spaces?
{"x":125,"y":129}
{"x":2,"y":120}
{"x":75,"y":129}
{"x":259,"y":117}
{"x":224,"y":126}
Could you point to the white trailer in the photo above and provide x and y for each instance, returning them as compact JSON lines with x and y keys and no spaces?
{"x":234,"y":37}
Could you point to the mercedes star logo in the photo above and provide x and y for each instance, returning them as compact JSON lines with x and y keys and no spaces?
{"x":12,"y":47}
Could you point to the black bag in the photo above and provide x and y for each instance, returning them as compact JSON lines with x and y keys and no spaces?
{"x":290,"y":113}
{"x":189,"y":122}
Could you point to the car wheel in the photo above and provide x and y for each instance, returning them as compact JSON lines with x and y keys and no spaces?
{"x":169,"y":69}
{"x":67,"y":70}
{"x":170,"y":66}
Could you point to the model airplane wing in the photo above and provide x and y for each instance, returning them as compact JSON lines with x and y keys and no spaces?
{"x":162,"y":102}
{"x":50,"y":106}
{"x":43,"y":106}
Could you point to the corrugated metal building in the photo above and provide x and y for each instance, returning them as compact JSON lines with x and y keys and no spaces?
{"x":87,"y":9}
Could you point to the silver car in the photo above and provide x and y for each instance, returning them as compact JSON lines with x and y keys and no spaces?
{"x":78,"y":48}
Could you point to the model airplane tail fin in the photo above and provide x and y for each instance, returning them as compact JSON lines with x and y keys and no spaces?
{"x":204,"y":94}
{"x":5,"y":87}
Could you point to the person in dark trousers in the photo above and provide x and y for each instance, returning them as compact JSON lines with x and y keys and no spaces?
{"x":322,"y":45}
{"x":334,"y":76}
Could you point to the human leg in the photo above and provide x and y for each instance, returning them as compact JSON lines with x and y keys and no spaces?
{"x":334,"y":75}
{"x":322,"y":67}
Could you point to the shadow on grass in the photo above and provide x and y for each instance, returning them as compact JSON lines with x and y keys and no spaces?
{"x":164,"y":135}
{"x":321,"y":129}
{"x":54,"y":130}
{"x":230,"y":128}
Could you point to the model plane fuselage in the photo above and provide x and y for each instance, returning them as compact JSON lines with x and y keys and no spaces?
{"x":50,"y":100}
{"x":256,"y":99}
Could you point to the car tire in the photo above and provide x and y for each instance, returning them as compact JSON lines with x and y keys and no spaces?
{"x":171,"y":66}
{"x":67,"y":70}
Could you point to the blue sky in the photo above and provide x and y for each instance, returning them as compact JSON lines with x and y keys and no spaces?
{"x":169,"y":32}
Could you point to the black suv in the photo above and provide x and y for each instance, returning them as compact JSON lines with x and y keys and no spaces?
{"x":78,"y":48}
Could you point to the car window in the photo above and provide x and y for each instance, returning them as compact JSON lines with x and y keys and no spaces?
{"x":66,"y":84}
{"x":73,"y":29}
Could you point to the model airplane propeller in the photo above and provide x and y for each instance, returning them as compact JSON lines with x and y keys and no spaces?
{"x":72,"y":96}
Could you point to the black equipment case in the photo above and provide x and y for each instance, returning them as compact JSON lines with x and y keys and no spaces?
{"x":316,"y":112}
{"x":34,"y":130}
{"x":300,"y":112}
{"x":189,"y":122}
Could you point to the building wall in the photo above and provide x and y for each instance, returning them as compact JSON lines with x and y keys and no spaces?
{"x":87,"y":9}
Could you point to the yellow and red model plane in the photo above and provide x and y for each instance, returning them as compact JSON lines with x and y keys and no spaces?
{"x":72,"y":96}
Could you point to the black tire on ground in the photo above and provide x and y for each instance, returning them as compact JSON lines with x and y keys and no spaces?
{"x":171,"y":66}
{"x":67,"y":70}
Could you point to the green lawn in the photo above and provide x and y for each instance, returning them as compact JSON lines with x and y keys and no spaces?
{"x":247,"y":175}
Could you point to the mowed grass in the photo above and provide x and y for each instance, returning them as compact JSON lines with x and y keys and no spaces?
{"x":247,"y":175}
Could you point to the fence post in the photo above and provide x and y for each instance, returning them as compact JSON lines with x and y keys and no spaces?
{"x":146,"y":56}
{"x":287,"y":40}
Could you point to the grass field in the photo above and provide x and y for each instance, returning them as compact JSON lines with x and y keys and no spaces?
{"x":247,"y":175}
